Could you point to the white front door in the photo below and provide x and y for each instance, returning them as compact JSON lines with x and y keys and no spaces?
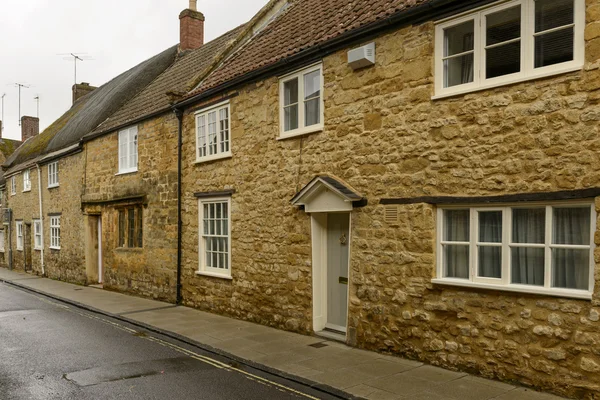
{"x":338,"y":240}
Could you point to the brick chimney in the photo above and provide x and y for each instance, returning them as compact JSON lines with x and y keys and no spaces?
{"x":191,"y":31}
{"x":30,"y":127}
{"x":81,"y":89}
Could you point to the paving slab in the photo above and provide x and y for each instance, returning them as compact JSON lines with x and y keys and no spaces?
{"x":359,"y":373}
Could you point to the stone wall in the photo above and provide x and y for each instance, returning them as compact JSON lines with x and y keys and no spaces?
{"x":149,"y":271}
{"x":385,"y":136}
{"x":66,"y":264}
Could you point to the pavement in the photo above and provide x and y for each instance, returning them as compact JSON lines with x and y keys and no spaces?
{"x":308,"y":359}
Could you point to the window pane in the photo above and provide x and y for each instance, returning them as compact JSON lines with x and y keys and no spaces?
{"x":290,"y":118}
{"x":503,"y":25}
{"x":312,"y":112}
{"x":212,"y":133}
{"x":503,"y":60}
{"x":551,"y":14}
{"x":290,"y":92}
{"x":571,"y":226}
{"x":458,"y":70}
{"x":201,"y":136}
{"x":527,"y":266}
{"x":140,"y":238}
{"x":312,"y":85}
{"x":490,"y":226}
{"x":456,"y":261}
{"x":554,"y":48}
{"x":529,"y":225}
{"x":459,"y":38}
{"x":131,"y":227}
{"x":570,"y":268}
{"x":456,"y":225}
{"x":121,"y":228}
{"x":224,"y":129}
{"x":490,"y":262}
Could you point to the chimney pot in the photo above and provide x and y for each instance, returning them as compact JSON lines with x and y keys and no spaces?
{"x":193,"y":4}
{"x":30,"y":127}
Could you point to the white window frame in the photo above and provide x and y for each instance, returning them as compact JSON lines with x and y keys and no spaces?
{"x":37,"y":234}
{"x":19,"y":235}
{"x":13,"y":185}
{"x":128,"y":150}
{"x":53,"y":175}
{"x":504,"y":284}
{"x":202,"y":268}
{"x":55,"y":232}
{"x":2,"y":238}
{"x":27,"y":180}
{"x":302,"y":129}
{"x":202,"y":132}
{"x":528,"y":71}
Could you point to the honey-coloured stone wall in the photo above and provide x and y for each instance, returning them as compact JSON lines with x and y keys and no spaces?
{"x":387,"y":138}
{"x":149,"y":271}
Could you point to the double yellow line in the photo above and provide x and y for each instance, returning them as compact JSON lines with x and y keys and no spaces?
{"x":189,"y":353}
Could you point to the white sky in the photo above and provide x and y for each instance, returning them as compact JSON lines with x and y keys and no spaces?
{"x":117,"y":34}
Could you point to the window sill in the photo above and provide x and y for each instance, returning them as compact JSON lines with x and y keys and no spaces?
{"x":28,"y":190}
{"x":570,"y":293}
{"x":300,"y":132}
{"x":53,"y":186}
{"x":126,"y":172}
{"x":129,"y":249}
{"x":37,"y":249}
{"x":213,"y":158}
{"x":214,"y":275}
{"x":54,"y":248}
{"x":510,"y":81}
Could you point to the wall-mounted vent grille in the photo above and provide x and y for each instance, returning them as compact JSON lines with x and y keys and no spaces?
{"x":391,"y":214}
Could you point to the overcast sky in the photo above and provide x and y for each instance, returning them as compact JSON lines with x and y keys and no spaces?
{"x":117,"y":34}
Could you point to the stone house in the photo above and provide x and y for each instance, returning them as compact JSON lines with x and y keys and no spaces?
{"x":131,"y":189}
{"x":45,"y":178}
{"x":414,"y":177}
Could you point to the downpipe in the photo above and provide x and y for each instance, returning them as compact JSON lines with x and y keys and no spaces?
{"x":39,"y":171}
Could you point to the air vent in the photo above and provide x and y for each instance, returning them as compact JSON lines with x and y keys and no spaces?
{"x":362,"y":57}
{"x":391,"y":214}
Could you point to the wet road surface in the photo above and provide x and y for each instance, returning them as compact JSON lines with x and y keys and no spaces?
{"x":50,"y":350}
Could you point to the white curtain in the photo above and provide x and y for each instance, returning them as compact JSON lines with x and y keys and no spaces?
{"x":468,"y":60}
{"x":456,"y":256}
{"x":570,"y":267}
{"x":529,"y":226}
{"x":490,"y":257}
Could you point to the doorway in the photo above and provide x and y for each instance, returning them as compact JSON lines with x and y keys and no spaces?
{"x":331,"y":252}
{"x":93,"y":250}
{"x":27,"y":248}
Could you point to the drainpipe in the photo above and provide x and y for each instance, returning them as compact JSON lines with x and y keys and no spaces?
{"x":39,"y":171}
{"x":10,"y":250}
{"x":179,"y":114}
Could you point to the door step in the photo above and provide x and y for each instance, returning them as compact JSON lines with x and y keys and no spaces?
{"x":97,"y":286}
{"x":332,"y":334}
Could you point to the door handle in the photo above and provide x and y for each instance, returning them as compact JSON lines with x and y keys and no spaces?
{"x":343,"y":280}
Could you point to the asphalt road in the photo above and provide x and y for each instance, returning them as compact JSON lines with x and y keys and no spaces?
{"x":50,"y":350}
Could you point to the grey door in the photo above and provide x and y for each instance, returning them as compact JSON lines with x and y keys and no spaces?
{"x":338,"y":241}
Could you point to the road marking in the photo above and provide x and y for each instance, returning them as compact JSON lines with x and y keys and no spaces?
{"x":189,"y":353}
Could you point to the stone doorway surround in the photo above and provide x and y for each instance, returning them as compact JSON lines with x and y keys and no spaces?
{"x":322,"y":196}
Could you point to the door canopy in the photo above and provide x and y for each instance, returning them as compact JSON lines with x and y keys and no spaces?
{"x":327,"y":194}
